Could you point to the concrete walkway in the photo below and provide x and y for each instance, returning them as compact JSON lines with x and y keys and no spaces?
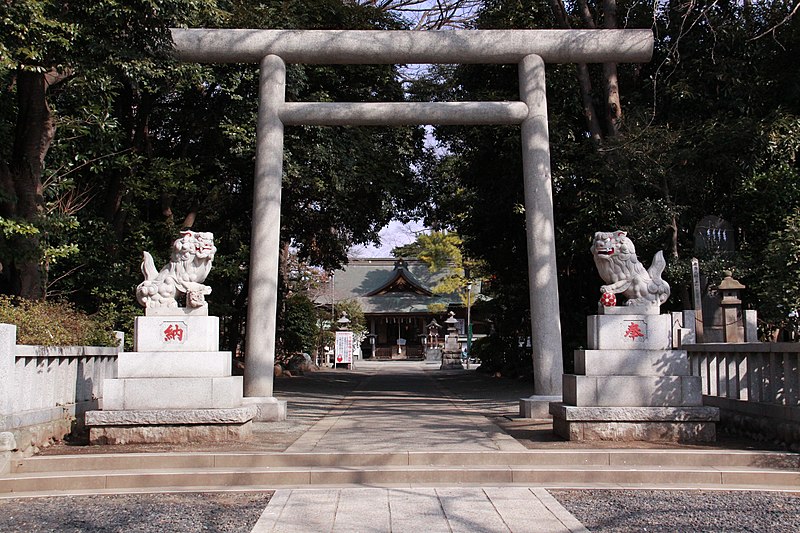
{"x":401,"y":407}
{"x":468,"y":510}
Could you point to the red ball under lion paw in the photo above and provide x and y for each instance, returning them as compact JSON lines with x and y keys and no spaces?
{"x":608,"y":299}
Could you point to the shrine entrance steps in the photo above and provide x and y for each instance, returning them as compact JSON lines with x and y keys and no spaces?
{"x":113,"y":473}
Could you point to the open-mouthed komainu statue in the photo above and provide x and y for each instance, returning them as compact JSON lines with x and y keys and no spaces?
{"x":185,"y":273}
{"x":615,"y":257}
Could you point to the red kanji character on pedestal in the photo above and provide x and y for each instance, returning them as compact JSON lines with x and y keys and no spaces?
{"x":633,"y":331}
{"x":173,"y":332}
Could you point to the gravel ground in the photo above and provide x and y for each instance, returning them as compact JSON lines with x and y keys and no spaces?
{"x":227,"y":512}
{"x":656,"y":511}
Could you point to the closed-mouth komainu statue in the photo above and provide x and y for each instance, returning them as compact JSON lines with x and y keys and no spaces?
{"x":185,"y":273}
{"x":615,"y":257}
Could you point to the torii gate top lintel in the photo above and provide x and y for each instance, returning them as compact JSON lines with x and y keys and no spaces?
{"x":408,"y":46}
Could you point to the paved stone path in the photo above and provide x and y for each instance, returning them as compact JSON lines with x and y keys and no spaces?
{"x":468,"y":510}
{"x":401,"y":407}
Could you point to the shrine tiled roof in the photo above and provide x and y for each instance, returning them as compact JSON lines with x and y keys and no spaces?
{"x":390,"y":286}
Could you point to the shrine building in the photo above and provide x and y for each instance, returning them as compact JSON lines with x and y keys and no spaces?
{"x":397,"y":298}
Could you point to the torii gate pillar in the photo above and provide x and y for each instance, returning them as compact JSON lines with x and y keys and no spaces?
{"x":548,"y":364}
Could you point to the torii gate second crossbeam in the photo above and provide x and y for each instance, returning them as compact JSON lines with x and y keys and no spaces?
{"x":529,"y":49}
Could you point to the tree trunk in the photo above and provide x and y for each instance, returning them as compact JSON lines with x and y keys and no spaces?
{"x":584,"y":79}
{"x":613,"y":107}
{"x":586,"y":14}
{"x":188,"y":221}
{"x":135,"y":106}
{"x":34,"y":132}
{"x":592,"y":122}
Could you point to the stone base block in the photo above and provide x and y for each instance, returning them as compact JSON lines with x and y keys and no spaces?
{"x":451,"y":361}
{"x":180,"y":333}
{"x":268,"y":409}
{"x":171,"y":426}
{"x":174,"y":364}
{"x":536,"y":406}
{"x":146,"y":417}
{"x":172,"y":393}
{"x":631,"y":363}
{"x":629,"y":332}
{"x":170,"y":434}
{"x":650,"y":424}
{"x":632,"y":391}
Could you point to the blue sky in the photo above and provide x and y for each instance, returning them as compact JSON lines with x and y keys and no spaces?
{"x":395,"y":234}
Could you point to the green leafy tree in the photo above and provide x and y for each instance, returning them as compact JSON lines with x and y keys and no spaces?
{"x":441,"y":252}
{"x":299,"y":325}
{"x":140,"y":146}
{"x":709,"y":127}
{"x":355,"y":314}
{"x":49,"y":49}
{"x":778,"y":287}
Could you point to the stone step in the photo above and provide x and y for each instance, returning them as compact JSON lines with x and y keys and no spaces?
{"x":535,"y":458}
{"x":755,"y":477}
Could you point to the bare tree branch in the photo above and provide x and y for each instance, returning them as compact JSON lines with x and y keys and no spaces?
{"x":430,"y":14}
{"x":786,"y":19}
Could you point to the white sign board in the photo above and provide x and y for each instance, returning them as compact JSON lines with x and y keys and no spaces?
{"x":343,"y":353}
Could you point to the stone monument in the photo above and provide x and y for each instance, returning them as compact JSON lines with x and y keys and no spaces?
{"x":176,"y":386}
{"x":451,"y":354}
{"x":631,"y":384}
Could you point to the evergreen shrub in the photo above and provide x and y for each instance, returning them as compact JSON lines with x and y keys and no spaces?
{"x":53,"y":324}
{"x":498,"y":353}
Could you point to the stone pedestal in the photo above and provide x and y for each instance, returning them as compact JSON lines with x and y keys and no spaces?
{"x":451,"y":360}
{"x":537,"y":406}
{"x":632,"y":385}
{"x":177,"y":387}
{"x":451,"y":354}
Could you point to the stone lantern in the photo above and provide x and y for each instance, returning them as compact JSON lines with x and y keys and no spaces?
{"x":731,"y":304}
{"x":343,"y":324}
{"x":451,"y":356}
{"x":451,"y":324}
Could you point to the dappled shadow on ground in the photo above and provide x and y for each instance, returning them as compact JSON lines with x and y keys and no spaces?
{"x":397,"y":390}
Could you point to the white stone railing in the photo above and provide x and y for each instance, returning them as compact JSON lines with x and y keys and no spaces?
{"x":756,"y":387}
{"x":754,"y":372}
{"x":44,"y":388}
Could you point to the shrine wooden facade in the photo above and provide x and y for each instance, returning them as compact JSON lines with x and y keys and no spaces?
{"x":396,"y":295}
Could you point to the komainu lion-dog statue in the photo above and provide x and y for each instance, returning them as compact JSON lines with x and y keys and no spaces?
{"x":615,"y":257}
{"x":185,"y":273}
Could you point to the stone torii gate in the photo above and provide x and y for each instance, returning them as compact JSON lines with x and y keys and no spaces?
{"x":530,"y":49}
